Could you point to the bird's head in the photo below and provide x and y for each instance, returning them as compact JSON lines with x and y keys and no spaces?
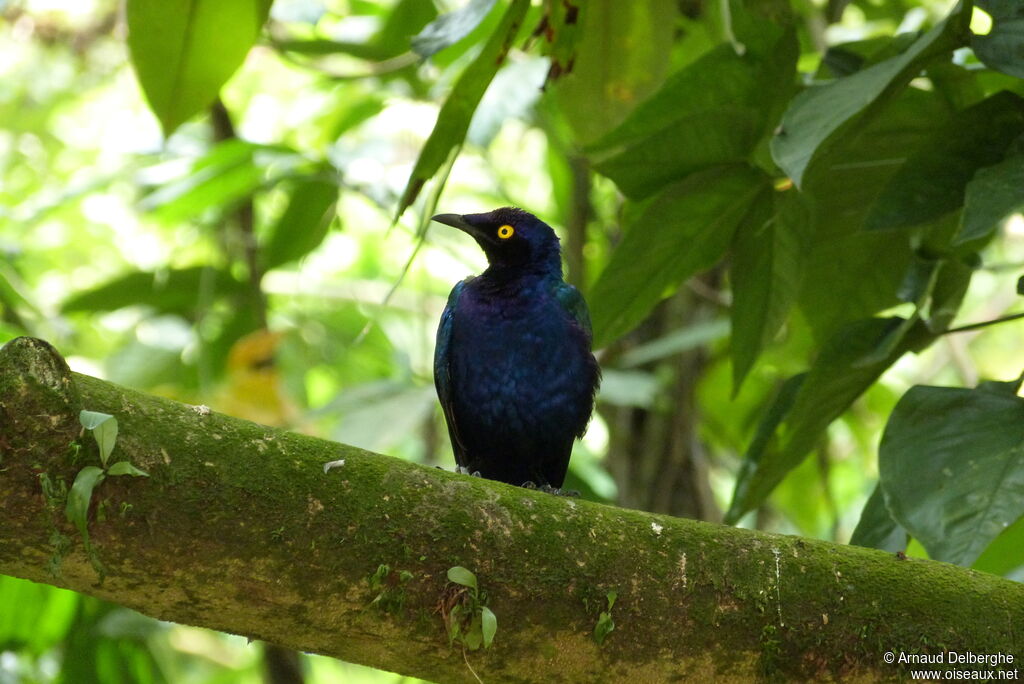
{"x":511,"y":238}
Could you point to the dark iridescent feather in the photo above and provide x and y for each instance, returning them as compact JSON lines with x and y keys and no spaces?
{"x":512,"y":365}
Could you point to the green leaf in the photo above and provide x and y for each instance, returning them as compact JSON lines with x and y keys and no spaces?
{"x":450,"y":28}
{"x":993,"y":195}
{"x":877,"y":529}
{"x":126,"y":468}
{"x":804,"y":411}
{"x":712,"y":112}
{"x":304,"y":223}
{"x":90,"y":420}
{"x":178,"y":291}
{"x":852,"y":274}
{"x":77,"y":509}
{"x":457,"y":111}
{"x":951,"y":463}
{"x":605,"y":626}
{"x":817,"y":115}
{"x":488,"y":625}
{"x":680,"y":231}
{"x":931,"y":182}
{"x":1002,"y":48}
{"x":216,"y":181}
{"x":104,"y":429}
{"x":599,"y":74}
{"x":460,"y":575}
{"x":1005,"y":554}
{"x":948,"y":293}
{"x":183,"y":51}
{"x":767,"y":266}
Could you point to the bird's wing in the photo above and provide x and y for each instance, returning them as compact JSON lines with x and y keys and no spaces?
{"x":575,"y":305}
{"x":442,"y":369}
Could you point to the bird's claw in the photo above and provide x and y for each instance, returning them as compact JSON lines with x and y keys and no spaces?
{"x":548,"y":489}
{"x":461,"y":470}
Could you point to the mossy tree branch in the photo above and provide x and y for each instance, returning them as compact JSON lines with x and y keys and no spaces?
{"x":239,"y":528}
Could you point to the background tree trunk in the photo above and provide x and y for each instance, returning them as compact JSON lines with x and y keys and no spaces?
{"x":239,"y":528}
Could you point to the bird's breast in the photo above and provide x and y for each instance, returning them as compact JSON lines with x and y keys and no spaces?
{"x":519,"y":363}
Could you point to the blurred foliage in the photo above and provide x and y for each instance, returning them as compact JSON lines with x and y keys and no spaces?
{"x":777,"y":210}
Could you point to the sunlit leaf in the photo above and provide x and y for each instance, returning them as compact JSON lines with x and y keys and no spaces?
{"x":1002,"y":48}
{"x":816,"y":115}
{"x":230,"y":172}
{"x":951,"y":463}
{"x":184,"y":51}
{"x":457,"y":111}
{"x":931,"y":182}
{"x":680,"y":231}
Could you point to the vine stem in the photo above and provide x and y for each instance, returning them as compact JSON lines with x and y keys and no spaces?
{"x":983,"y":324}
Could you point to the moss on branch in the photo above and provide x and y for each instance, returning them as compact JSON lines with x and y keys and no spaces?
{"x":239,"y":528}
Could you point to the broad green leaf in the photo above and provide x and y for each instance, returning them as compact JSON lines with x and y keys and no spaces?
{"x":767,"y":266}
{"x":462,"y":576}
{"x":180,"y":291}
{"x":450,"y":28}
{"x":183,"y":51}
{"x":675,"y":342}
{"x":126,"y":468}
{"x":36,"y":617}
{"x":1005,"y":554}
{"x":675,"y":234}
{"x":488,"y":625}
{"x":457,"y":111}
{"x":90,"y":420}
{"x":993,"y":195}
{"x":227,"y":174}
{"x":801,"y":415}
{"x":714,"y":111}
{"x":613,"y":69}
{"x":877,"y":529}
{"x":1002,"y":48}
{"x":104,"y":429}
{"x":852,"y":274}
{"x":951,"y":464}
{"x":304,"y":223}
{"x":817,"y":115}
{"x":931,"y":182}
{"x":79,"y":496}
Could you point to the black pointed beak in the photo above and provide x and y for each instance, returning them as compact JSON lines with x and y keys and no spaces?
{"x":460,"y":222}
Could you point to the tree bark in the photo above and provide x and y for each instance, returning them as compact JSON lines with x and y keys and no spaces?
{"x":238,"y":528}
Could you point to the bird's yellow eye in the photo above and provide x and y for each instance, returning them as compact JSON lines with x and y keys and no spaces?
{"x":506,"y":231}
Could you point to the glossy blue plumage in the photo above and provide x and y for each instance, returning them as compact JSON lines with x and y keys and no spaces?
{"x":512,"y":366}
